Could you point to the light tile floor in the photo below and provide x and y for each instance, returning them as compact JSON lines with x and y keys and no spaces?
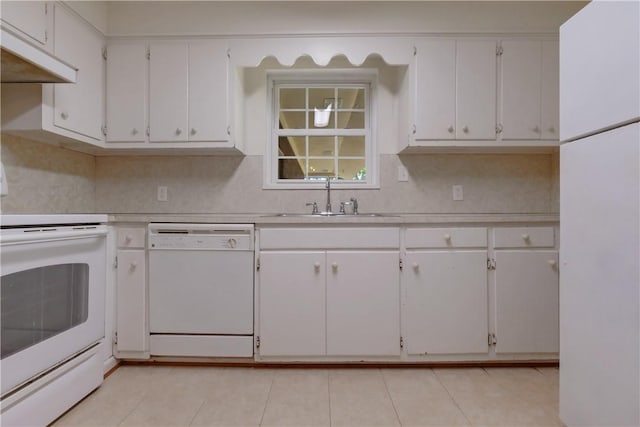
{"x":210,"y":396}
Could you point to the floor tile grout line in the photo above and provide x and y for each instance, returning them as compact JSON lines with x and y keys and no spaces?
{"x":386,"y":387}
{"x":455,"y":402}
{"x":197,"y":412}
{"x":266,"y":403}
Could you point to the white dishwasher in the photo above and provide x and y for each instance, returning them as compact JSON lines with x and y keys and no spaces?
{"x":201,"y":289}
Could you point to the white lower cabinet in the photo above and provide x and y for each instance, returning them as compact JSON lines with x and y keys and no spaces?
{"x":318,"y":302}
{"x":446,"y":309}
{"x":445,"y":280}
{"x":526,"y":284}
{"x":132,"y":334}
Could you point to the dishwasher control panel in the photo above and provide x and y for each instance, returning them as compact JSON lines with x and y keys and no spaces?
{"x":227,"y":237}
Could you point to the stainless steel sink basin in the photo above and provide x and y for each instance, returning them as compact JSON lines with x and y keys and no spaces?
{"x":329,"y":214}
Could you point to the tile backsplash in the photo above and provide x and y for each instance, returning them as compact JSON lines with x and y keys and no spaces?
{"x":47,"y":179}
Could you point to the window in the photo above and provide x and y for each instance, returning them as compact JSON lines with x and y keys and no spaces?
{"x":321,"y":128}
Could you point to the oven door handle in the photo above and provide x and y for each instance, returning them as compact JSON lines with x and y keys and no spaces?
{"x":53,"y":235}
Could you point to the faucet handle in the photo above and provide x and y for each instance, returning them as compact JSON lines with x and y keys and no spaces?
{"x":355,"y":204}
{"x":314,"y":210}
{"x":342,"y":208}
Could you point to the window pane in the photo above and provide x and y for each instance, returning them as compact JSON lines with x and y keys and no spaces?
{"x":292,"y":120}
{"x":351,"y":169}
{"x":351,"y":98}
{"x":321,"y":146}
{"x":321,"y":167}
{"x":321,"y":119}
{"x":350,"y":120}
{"x":292,"y":98}
{"x":320,"y":98}
{"x":291,"y":146}
{"x":291,"y":168}
{"x":351,"y":146}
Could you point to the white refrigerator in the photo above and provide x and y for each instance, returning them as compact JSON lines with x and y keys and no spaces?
{"x":600,"y":215}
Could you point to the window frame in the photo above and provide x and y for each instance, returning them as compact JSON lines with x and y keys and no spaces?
{"x":319,"y":78}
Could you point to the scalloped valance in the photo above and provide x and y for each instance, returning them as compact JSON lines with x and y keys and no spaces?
{"x":250,"y":52}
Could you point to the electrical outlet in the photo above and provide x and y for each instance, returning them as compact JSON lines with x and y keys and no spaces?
{"x":163,"y":195}
{"x":457,"y":193}
{"x":403,"y":174}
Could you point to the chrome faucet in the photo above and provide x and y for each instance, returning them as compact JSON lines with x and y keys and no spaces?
{"x":328,"y":187}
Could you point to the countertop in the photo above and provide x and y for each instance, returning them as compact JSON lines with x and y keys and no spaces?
{"x":50,"y":219}
{"x":267,"y":219}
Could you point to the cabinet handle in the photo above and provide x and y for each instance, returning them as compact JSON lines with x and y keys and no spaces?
{"x":334,"y":266}
{"x":64,"y":115}
{"x":450,"y":129}
{"x":128,"y":238}
{"x":193,"y":131}
{"x":447,"y":237}
{"x":134,"y":265}
{"x":316,"y":266}
{"x":465,"y":129}
{"x":552,"y":130}
{"x":552,"y":262}
{"x":416,"y":266}
{"x":134,"y":131}
{"x":526,"y":237}
{"x":536,"y":129}
{"x":178,"y":131}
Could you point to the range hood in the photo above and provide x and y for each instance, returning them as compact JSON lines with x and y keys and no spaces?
{"x":21,"y":62}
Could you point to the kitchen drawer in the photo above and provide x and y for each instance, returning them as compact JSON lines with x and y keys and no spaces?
{"x":524,"y":237}
{"x":330,"y":238}
{"x":425,"y":238}
{"x":131,"y":237}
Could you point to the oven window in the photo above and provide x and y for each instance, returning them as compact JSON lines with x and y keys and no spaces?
{"x":42,"y":302}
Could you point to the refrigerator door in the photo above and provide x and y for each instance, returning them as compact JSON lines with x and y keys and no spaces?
{"x":599,"y":68}
{"x":600,"y":279}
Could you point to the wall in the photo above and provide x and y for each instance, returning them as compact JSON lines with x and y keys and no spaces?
{"x":43,"y":178}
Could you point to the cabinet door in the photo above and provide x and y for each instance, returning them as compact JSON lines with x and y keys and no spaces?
{"x":208,"y":91}
{"x":131,"y":297}
{"x":292,"y":303}
{"x":435,"y":89}
{"x":526,"y":302}
{"x":521,"y":89}
{"x":447,"y":304}
{"x":126,"y":92}
{"x":79,"y":107}
{"x":30,"y":17}
{"x":475,"y":90}
{"x":363,"y":303}
{"x":550,"y":90}
{"x":169,"y":92}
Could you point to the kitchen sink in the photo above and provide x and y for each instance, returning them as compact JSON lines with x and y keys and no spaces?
{"x":329,"y":214}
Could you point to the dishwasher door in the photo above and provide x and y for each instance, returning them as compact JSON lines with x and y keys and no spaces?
{"x":201,"y":292}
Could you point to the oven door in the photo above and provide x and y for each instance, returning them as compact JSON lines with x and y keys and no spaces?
{"x":52,"y":293}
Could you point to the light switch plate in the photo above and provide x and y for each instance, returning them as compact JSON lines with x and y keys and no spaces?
{"x":457,"y":193}
{"x":163,"y":193}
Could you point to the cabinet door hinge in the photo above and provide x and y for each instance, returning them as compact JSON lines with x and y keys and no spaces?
{"x":401,"y":264}
{"x":258,"y":341}
{"x":498,"y":128}
{"x":491,"y":264}
{"x":401,"y":343}
{"x":491,"y":340}
{"x":499,"y":51}
{"x":115,"y":338}
{"x":104,"y":130}
{"x":229,"y":53}
{"x":104,"y":53}
{"x":415,"y":51}
{"x":258,"y":264}
{"x":148,"y":53}
{"x":46,"y":8}
{"x":46,"y":36}
{"x":148,"y":131}
{"x":115,"y":263}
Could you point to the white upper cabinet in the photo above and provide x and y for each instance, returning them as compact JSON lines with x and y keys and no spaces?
{"x":168,"y":92}
{"x":127,"y":92}
{"x":435,"y":89}
{"x":28,"y":17}
{"x":529,"y":89}
{"x":455,"y":90}
{"x":475,"y":89}
{"x":208,"y":89}
{"x":79,"y":107}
